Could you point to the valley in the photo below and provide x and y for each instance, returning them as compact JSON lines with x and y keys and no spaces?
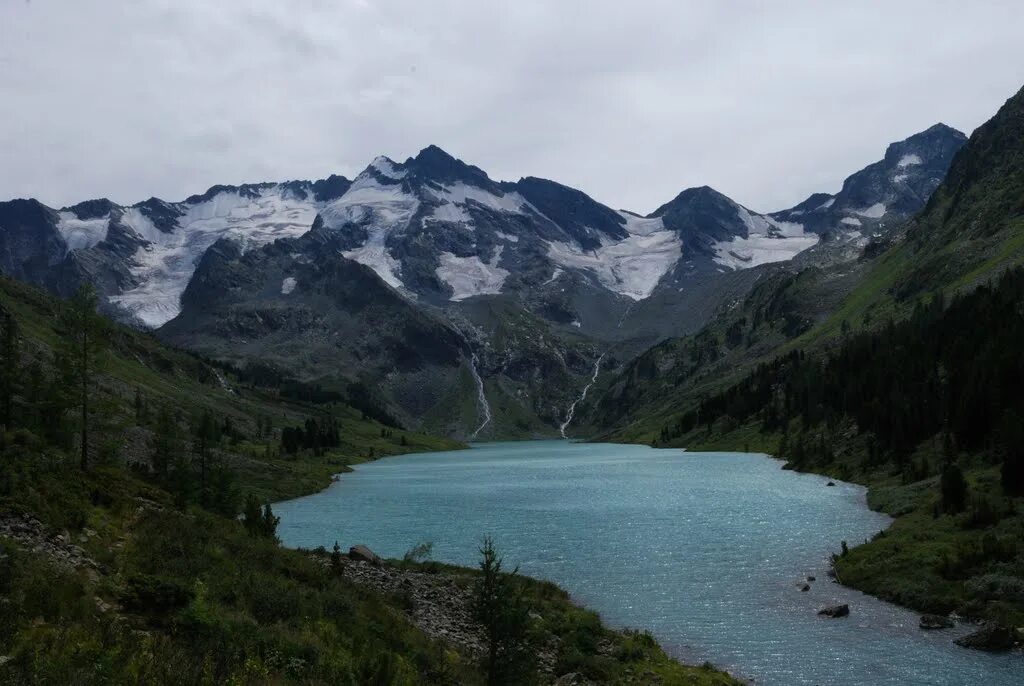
{"x":488,"y":357}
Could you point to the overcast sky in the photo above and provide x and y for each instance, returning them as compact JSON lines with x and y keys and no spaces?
{"x":628,"y":101}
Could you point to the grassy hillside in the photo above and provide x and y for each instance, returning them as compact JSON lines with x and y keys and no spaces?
{"x":138,"y":570}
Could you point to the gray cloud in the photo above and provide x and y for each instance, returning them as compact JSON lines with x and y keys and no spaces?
{"x":631,"y":102}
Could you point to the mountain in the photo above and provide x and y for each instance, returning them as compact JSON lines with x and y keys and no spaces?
{"x":886,"y":192}
{"x":450,"y":292}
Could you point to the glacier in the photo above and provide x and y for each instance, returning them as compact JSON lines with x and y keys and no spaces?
{"x":164,"y":264}
{"x":632,"y":266}
{"x":469,"y":276}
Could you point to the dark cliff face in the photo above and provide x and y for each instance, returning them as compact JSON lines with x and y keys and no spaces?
{"x":30,"y":244}
{"x":585,"y":220}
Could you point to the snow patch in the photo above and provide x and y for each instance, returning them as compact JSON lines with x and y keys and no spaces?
{"x":387,"y":168}
{"x":899,"y":178}
{"x":908,"y":161}
{"x":767,"y":240}
{"x":874,"y":212}
{"x":380,"y":210}
{"x":850,"y":221}
{"x":784,"y":229}
{"x":554,"y":276}
{"x":449,"y":212}
{"x":288,"y":285}
{"x":631,"y":267}
{"x":507,"y":237}
{"x":469,"y":276}
{"x":462,"y":193}
{"x":642,"y":226}
{"x":81,"y":234}
{"x":827,"y":204}
{"x":760,"y":248}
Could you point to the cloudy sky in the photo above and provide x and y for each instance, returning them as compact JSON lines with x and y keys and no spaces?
{"x":628,"y":101}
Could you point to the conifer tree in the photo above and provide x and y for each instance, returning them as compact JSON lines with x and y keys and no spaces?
{"x":953,"y":488}
{"x":166,"y":442}
{"x":81,"y":354}
{"x":9,"y":366}
{"x":499,"y":605}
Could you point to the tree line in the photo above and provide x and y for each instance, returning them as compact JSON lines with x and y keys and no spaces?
{"x":952,"y":369}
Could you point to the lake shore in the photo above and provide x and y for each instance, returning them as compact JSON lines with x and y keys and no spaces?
{"x":899,"y":564}
{"x":574,"y":645}
{"x":452,"y":498}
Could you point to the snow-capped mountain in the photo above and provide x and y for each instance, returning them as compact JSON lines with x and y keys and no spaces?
{"x":141,"y":257}
{"x":516,"y":282}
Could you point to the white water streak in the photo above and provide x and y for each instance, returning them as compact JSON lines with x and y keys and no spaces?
{"x":484,"y":405}
{"x":583,"y":396}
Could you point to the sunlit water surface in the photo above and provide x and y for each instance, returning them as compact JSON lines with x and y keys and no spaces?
{"x":705,"y":550}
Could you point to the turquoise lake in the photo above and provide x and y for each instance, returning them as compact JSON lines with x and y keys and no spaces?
{"x":704,"y":550}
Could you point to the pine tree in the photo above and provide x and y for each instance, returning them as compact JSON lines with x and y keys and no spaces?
{"x":499,"y":605}
{"x":166,"y":442}
{"x":336,"y":559}
{"x":270,"y":522}
{"x":205,"y":436}
{"x":259,"y":521}
{"x":252,"y":515}
{"x":953,"y":489}
{"x":141,"y":409}
{"x":81,"y":352}
{"x":1011,"y":445}
{"x":9,"y":366}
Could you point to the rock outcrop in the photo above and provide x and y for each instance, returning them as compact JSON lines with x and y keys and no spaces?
{"x":835,"y":611}
{"x":933,"y":622}
{"x":360,"y":553}
{"x":991,"y":638}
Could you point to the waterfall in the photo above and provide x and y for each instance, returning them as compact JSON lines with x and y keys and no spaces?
{"x":583,"y":396}
{"x":484,"y":405}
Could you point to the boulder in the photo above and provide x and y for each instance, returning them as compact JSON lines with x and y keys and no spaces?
{"x":831,"y":483}
{"x":835,"y":611}
{"x":805,"y":588}
{"x":811,"y":578}
{"x":933,"y":622}
{"x":361,"y":553}
{"x":992,"y":638}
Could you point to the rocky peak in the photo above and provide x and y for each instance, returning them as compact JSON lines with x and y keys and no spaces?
{"x":92,"y":209}
{"x":579,"y":215}
{"x":432,"y":164}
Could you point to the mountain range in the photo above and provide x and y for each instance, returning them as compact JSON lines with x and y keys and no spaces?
{"x":468,"y":306}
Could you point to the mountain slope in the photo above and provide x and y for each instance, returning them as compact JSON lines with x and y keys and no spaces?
{"x":864,"y":372}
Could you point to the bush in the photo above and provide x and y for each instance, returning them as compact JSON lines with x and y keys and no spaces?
{"x":953,"y":489}
{"x":155,"y":595}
